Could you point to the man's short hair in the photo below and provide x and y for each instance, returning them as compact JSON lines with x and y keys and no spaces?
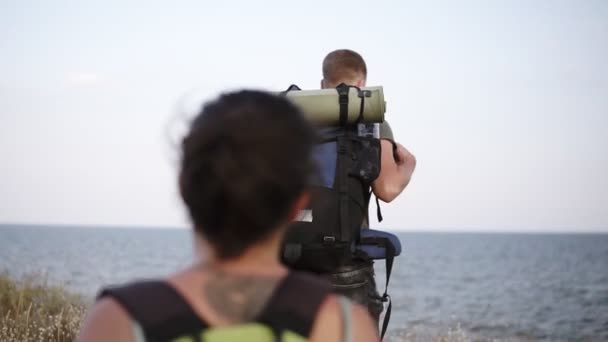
{"x":343,"y":64}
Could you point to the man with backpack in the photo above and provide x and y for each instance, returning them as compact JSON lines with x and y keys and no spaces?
{"x":360,"y":159}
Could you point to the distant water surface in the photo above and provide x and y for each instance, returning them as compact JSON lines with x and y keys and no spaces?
{"x":508,"y":286}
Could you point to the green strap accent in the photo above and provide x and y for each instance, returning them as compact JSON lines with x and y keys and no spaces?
{"x":252,"y":332}
{"x":289,"y":336}
{"x":246,"y":332}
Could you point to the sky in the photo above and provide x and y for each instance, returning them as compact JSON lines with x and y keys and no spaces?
{"x":503,"y":103}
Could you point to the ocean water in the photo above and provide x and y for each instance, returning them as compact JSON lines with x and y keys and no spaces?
{"x":484,"y":286}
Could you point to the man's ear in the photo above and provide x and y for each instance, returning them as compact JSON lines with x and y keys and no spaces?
{"x":322,"y":83}
{"x":361,"y":83}
{"x":298,"y":205}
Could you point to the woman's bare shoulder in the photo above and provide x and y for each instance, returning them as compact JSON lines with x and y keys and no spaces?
{"x":107,"y":320}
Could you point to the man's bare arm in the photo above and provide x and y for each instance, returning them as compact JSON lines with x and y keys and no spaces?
{"x":396,"y":171}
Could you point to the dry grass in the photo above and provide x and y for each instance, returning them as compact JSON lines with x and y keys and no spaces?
{"x":32,"y":310}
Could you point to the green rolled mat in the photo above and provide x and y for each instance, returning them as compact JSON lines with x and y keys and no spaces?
{"x":322,"y":105}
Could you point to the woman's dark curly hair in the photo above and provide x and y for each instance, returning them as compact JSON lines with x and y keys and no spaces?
{"x":245,"y":160}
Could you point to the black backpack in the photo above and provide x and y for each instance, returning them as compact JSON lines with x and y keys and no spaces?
{"x":327,"y":233}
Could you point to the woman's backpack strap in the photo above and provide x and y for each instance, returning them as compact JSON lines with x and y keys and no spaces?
{"x":158,"y":308}
{"x":295,"y":304}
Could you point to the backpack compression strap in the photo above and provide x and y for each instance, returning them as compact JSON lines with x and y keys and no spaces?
{"x":385,"y":297}
{"x":295,"y":303}
{"x":160,"y":310}
{"x":344,"y":152}
{"x":390,"y":257}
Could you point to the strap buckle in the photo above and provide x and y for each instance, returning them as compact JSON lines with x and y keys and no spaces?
{"x":329,"y":239}
{"x":365,"y":93}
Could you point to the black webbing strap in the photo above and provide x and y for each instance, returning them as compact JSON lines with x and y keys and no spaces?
{"x":342,"y":172}
{"x":390,"y":257}
{"x":362,"y":96}
{"x":160,"y":310}
{"x":378,"y":211}
{"x":343,"y":90}
{"x":291,"y":88}
{"x":289,"y":309}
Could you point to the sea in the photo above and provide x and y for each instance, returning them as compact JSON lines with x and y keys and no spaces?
{"x":444,"y":286}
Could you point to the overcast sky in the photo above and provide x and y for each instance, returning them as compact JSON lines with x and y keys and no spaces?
{"x":504,"y":103}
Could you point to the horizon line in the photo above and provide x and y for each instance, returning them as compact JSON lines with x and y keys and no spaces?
{"x":401,"y":230}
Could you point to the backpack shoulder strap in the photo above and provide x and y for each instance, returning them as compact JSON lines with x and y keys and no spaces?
{"x":158,"y":308}
{"x":289,"y":309}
